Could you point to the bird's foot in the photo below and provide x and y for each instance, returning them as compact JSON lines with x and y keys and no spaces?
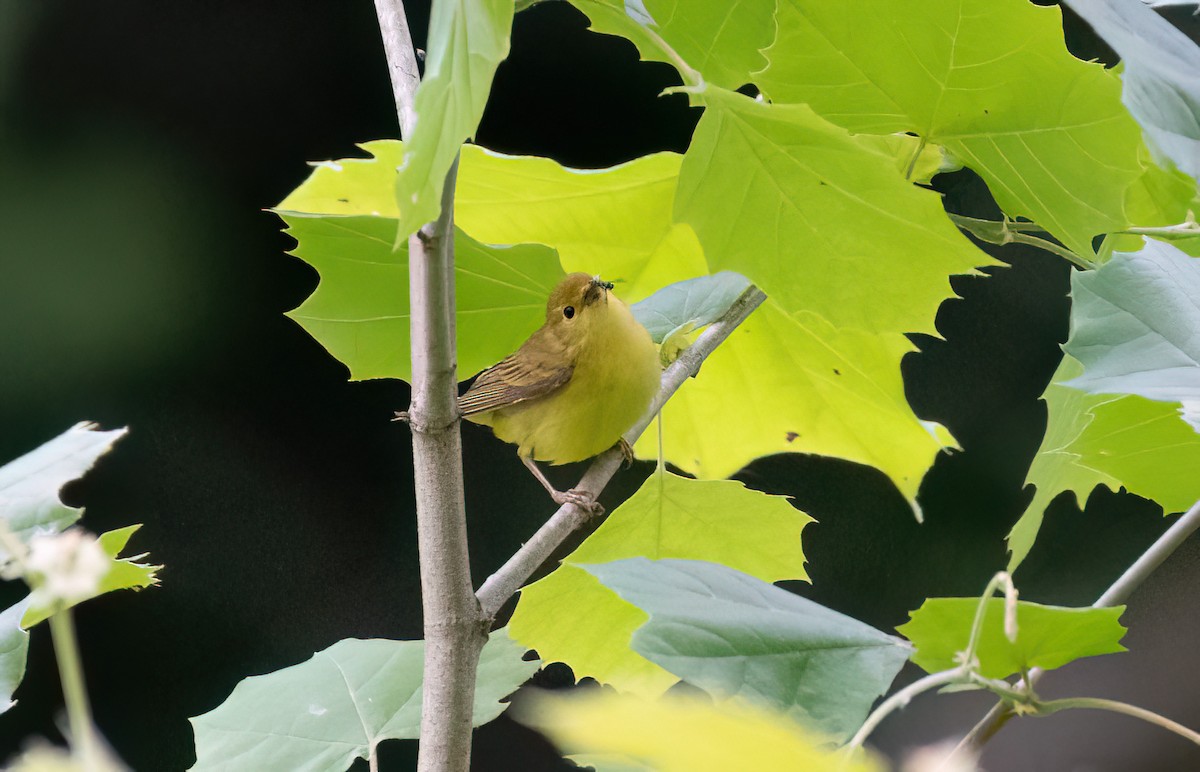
{"x":581,"y":499}
{"x":626,"y":452}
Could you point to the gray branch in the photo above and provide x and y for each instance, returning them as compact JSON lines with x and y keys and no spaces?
{"x":401,"y":61}
{"x":455,"y":630}
{"x":501,"y":585}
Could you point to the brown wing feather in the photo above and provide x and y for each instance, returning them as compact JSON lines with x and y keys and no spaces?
{"x":531,"y":372}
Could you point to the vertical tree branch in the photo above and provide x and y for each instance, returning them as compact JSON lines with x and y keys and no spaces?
{"x":401,"y":61}
{"x":455,"y":630}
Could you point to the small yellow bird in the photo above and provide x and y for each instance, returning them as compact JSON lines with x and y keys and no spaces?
{"x":575,"y":386}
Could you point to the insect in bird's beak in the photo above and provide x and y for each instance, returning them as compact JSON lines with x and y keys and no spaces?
{"x":597,"y":289}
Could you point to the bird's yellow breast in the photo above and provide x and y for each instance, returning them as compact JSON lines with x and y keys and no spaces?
{"x":616,"y":375}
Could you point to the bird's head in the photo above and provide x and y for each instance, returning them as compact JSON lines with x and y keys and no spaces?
{"x":577,"y":301}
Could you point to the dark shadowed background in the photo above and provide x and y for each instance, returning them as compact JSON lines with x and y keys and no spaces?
{"x":142,"y":285}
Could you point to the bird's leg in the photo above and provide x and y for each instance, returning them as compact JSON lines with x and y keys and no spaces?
{"x":581,"y":499}
{"x":626,"y":452}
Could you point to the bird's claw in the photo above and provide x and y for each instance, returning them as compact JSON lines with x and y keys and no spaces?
{"x":626,"y":452}
{"x":581,"y":499}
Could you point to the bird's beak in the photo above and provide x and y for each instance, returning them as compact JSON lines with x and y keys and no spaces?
{"x":596,"y":290}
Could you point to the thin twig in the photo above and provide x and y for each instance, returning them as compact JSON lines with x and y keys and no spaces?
{"x":901,"y":699}
{"x":1118,"y":593}
{"x":501,"y":585}
{"x":1096,"y":703}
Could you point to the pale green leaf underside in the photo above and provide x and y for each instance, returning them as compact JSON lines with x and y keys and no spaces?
{"x":1135,"y":326}
{"x":337,"y":706}
{"x":359,"y":311}
{"x":570,"y":617}
{"x":736,"y":636}
{"x":14,"y":647}
{"x":1160,"y":78}
{"x":29,"y":485}
{"x":1063,"y":151}
{"x":1048,"y":637}
{"x":693,"y":304}
{"x":467,"y":40}
{"x":1116,"y":441}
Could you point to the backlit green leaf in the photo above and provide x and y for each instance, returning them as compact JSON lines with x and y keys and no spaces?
{"x":337,"y":706}
{"x":467,"y":41}
{"x":1047,"y":636}
{"x":123,"y":574}
{"x":947,"y":74}
{"x":570,"y":617}
{"x":739,"y":637}
{"x":818,"y":220}
{"x":720,"y":40}
{"x":359,"y":311}
{"x":1117,"y":441}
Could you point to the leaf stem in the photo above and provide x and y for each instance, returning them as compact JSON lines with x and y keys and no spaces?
{"x":899,"y":700}
{"x":1187,"y":229}
{"x":70,"y":670}
{"x":1001,"y":579}
{"x":1097,"y":703}
{"x":912,"y":163}
{"x":501,"y":586}
{"x":1009,"y":232}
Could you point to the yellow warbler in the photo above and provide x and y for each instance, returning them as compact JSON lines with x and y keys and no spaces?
{"x":575,"y":386}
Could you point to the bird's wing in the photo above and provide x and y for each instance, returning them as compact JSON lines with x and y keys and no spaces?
{"x":511,"y":381}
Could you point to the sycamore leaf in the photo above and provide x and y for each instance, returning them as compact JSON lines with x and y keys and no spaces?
{"x":819,"y":221}
{"x":1135,"y":325}
{"x":946,"y":74}
{"x":720,"y":40}
{"x":678,"y":734}
{"x":570,"y":617}
{"x":616,"y":222}
{"x":359,"y":311}
{"x":736,"y":636}
{"x":1161,"y":75}
{"x":1117,"y":441}
{"x":14,"y":648}
{"x":121,"y":574}
{"x":1048,"y":637}
{"x":467,"y":40}
{"x":29,"y":485}
{"x":690,"y":304}
{"x":337,"y":706}
{"x":815,"y":389}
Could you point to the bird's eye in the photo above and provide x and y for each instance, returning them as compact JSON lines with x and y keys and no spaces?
{"x":569,"y":312}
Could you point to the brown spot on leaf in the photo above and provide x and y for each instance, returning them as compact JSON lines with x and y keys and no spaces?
{"x":791,"y":436}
